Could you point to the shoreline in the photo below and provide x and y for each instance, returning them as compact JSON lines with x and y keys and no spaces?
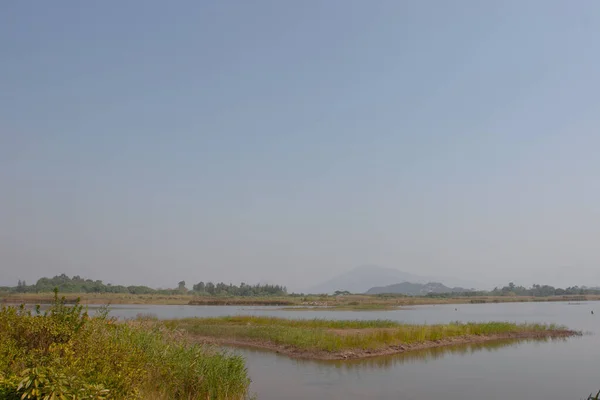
{"x":289,"y":303}
{"x":373,"y":303}
{"x":358,"y":354}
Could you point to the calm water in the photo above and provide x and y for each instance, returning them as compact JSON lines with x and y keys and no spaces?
{"x":560,"y":369}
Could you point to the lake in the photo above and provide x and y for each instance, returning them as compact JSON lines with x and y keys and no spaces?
{"x":559,"y":369}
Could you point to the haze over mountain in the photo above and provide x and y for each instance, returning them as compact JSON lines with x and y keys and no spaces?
{"x":363,"y":278}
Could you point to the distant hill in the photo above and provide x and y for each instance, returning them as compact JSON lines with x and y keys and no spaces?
{"x":361,"y":279}
{"x":415,"y":289}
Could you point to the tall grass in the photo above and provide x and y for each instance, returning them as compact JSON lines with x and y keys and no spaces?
{"x":333,"y":336}
{"x":65,"y":354}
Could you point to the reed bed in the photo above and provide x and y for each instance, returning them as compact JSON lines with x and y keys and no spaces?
{"x":335,"y":335}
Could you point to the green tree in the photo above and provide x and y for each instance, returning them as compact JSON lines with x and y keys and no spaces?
{"x":198,"y":287}
{"x":210,"y":288}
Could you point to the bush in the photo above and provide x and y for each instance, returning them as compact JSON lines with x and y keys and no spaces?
{"x":66,"y":354}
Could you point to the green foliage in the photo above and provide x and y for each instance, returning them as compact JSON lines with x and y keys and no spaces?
{"x":542,"y":291}
{"x":76,"y":284}
{"x":341,"y":293}
{"x":242,"y":290}
{"x":534,"y":291}
{"x":65,"y":354}
{"x":8,"y":388}
{"x":47,"y":383}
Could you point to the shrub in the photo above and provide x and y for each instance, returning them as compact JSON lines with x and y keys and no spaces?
{"x":66,"y":354}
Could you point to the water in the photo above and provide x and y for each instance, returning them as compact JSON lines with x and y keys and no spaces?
{"x":558,"y":369}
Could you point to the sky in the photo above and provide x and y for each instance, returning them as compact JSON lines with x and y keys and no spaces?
{"x":290,"y":141}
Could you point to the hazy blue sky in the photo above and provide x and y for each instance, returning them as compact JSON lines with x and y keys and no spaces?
{"x":151,"y":141}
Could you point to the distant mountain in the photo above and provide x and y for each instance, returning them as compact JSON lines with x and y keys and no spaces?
{"x":415,"y":289}
{"x":361,"y":279}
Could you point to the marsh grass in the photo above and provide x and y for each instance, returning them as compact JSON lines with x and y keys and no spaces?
{"x":335,"y":336}
{"x":65,"y":354}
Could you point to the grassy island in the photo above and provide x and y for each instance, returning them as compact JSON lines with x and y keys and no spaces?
{"x":326,"y":339}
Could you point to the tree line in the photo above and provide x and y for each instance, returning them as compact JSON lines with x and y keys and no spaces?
{"x":241,"y":290}
{"x":534,"y":291}
{"x":77,"y":284}
{"x":542,"y":290}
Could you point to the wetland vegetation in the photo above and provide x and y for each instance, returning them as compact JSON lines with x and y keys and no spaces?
{"x":65,"y":354}
{"x":341,"y":339}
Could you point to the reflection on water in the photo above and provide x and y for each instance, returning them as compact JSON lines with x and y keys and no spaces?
{"x":423,"y":355}
{"x":499,"y":370}
{"x":435,"y":353}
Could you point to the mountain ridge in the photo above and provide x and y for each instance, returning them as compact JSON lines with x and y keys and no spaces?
{"x":362,"y":278}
